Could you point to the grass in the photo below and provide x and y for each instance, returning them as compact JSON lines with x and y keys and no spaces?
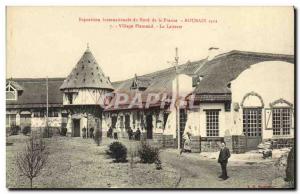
{"x":80,"y":163}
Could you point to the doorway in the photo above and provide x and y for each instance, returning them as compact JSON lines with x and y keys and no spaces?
{"x":127,"y":121}
{"x":149,"y":126}
{"x":76,"y":127}
{"x":113,"y":122}
{"x":252,"y":127}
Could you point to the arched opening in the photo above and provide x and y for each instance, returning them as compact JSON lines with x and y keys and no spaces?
{"x":252,"y":105}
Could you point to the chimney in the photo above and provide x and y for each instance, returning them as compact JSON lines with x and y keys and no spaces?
{"x":212,"y":52}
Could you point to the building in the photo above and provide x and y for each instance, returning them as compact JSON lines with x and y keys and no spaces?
{"x":83,"y":93}
{"x":237,"y":96}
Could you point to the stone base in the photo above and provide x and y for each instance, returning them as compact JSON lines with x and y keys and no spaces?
{"x":196,"y":144}
{"x":158,"y":139}
{"x":211,"y":144}
{"x":168,"y":141}
{"x":282,"y":143}
{"x":228,"y":141}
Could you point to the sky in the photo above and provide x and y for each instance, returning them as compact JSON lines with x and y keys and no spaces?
{"x":49,"y":41}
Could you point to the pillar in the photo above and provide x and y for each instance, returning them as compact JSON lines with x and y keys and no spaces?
{"x":69,"y":125}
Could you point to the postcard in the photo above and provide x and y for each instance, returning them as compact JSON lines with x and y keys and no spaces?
{"x":150,"y":97}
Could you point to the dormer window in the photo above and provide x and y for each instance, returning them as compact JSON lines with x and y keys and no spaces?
{"x":70,"y":98}
{"x":11,"y":92}
{"x":134,"y":85}
{"x":197,"y":80}
{"x":140,"y":83}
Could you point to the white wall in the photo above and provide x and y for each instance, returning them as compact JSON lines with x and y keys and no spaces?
{"x":271,"y":80}
{"x":185,"y":85}
{"x":86,"y":96}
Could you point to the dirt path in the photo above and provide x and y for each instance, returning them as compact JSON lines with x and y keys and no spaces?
{"x":204,"y":173}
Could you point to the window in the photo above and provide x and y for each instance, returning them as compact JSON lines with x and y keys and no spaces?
{"x":133,"y":85}
{"x":11,"y":93}
{"x":252,"y":122}
{"x":212,"y":123}
{"x":227,"y":106}
{"x":70,"y":98}
{"x":52,"y":114}
{"x":134,"y":117}
{"x":281,"y":121}
{"x":121,"y":122}
{"x":10,"y":120}
{"x":39,"y":113}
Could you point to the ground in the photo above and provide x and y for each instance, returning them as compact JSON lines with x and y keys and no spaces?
{"x":80,"y":163}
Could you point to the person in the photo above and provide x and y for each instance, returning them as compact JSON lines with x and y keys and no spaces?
{"x":92,"y":132}
{"x":187,"y":143}
{"x":84,"y":132}
{"x":130,"y":133}
{"x":138,"y":134}
{"x":110,"y":132}
{"x":223,"y":160}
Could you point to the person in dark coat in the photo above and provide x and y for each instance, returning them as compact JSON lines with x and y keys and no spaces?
{"x":84,"y":132}
{"x":92,"y":132}
{"x":138,"y":134}
{"x":110,"y":132}
{"x":223,"y":160}
{"x":130,"y":133}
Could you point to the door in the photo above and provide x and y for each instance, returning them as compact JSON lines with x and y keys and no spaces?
{"x":113,"y":122}
{"x":127,"y":121}
{"x":76,"y":127}
{"x":252,"y":127}
{"x":149,"y":127}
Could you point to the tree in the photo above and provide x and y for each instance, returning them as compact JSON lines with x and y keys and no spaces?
{"x":32,"y":159}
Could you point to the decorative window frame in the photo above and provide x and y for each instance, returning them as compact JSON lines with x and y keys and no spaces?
{"x":281,"y":101}
{"x":15,"y":92}
{"x":269,"y":112}
{"x":253,"y":94}
{"x":287,"y":105}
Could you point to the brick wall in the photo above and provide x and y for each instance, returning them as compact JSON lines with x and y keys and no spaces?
{"x":196,"y":144}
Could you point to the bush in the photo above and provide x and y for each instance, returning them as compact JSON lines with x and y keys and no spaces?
{"x":26,"y":130}
{"x":117,"y":151}
{"x":63,"y":131}
{"x":14,"y":130}
{"x":148,"y":154}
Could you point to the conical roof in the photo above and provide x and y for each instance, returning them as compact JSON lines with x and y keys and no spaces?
{"x":87,"y":74}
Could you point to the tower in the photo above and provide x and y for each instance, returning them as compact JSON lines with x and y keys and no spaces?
{"x":83,"y":93}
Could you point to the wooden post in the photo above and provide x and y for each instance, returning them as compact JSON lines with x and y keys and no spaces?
{"x":47,"y":108}
{"x":177,"y":100}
